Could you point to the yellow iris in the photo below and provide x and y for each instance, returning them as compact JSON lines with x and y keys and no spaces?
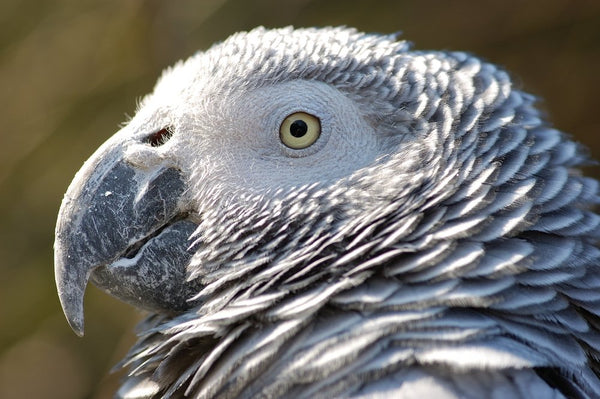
{"x":300,"y":130}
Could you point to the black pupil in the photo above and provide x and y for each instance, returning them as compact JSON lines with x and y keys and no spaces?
{"x":298,"y":128}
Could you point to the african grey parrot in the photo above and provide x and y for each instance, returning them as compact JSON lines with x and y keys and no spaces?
{"x":320,"y":213}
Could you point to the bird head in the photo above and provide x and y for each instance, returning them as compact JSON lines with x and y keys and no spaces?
{"x":246,"y":138}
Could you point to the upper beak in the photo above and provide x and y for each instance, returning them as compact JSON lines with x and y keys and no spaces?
{"x":124,"y":228}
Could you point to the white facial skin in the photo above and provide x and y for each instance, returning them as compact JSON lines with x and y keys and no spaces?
{"x":232,"y":143}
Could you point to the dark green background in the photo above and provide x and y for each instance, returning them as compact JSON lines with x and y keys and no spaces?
{"x":72,"y":70}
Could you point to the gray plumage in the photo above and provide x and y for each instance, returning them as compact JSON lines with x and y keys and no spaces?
{"x":436,"y":240}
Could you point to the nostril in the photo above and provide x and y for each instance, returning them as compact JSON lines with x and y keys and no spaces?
{"x":160,"y":137}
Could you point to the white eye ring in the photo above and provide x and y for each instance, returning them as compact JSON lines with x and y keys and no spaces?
{"x":299,"y":130}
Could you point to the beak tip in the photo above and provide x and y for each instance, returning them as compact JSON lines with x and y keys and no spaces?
{"x":77,"y":328}
{"x":70,"y":284}
{"x":73,"y":310}
{"x":76,"y":325}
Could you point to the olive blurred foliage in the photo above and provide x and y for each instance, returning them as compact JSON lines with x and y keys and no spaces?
{"x":72,"y":70}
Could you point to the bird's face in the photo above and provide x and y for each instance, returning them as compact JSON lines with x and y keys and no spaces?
{"x":211,"y":152}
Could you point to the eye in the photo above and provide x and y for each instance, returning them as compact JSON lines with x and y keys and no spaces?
{"x":300,"y":130}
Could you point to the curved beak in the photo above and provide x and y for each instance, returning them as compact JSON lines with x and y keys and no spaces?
{"x":123,"y":228}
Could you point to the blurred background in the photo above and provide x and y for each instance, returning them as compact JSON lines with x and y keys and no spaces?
{"x":72,"y":70}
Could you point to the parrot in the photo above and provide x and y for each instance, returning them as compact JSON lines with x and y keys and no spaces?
{"x":322,"y":212}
